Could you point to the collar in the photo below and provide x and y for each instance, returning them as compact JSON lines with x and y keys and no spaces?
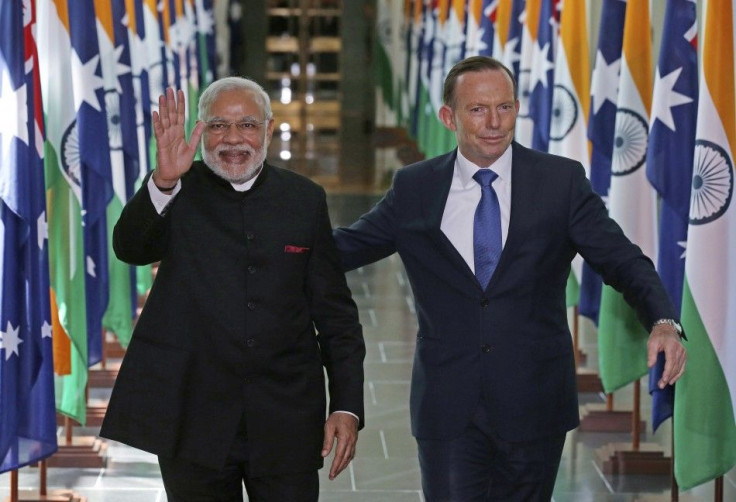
{"x":244,"y":187}
{"x":466,"y":169}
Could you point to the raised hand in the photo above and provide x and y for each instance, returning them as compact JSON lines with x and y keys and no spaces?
{"x":174,"y":154}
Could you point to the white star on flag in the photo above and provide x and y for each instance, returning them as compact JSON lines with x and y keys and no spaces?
{"x":541,"y":65}
{"x":666,"y":98}
{"x":510,"y":49}
{"x":91,"y":267}
{"x":604,"y":83}
{"x":9,"y":340}
{"x":42,"y":228}
{"x":206,"y":22}
{"x":683,"y":245}
{"x":120,"y":68}
{"x":86,"y":81}
{"x":15,"y":124}
{"x":46,"y":330}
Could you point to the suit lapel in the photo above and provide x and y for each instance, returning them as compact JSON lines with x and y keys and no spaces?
{"x":523,"y":206}
{"x":433,"y":206}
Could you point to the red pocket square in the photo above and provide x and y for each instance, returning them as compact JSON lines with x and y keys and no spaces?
{"x":295,"y":249}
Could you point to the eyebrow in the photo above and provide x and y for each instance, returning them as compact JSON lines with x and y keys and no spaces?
{"x":247,"y":118}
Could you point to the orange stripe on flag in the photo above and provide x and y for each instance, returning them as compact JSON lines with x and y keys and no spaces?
{"x":63,"y":12}
{"x":130,"y":10}
{"x":103,"y":10}
{"x":573,"y":34}
{"x":637,"y":48}
{"x":61,"y":344}
{"x":533,"y":8}
{"x":503,"y":20}
{"x":718,"y":64}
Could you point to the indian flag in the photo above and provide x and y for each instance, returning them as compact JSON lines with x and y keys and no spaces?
{"x":632,"y":200}
{"x":64,"y":204}
{"x":569,"y":124}
{"x":705,"y":397}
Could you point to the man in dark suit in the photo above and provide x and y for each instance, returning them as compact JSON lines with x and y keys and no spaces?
{"x":224,"y":375}
{"x":493,"y":384}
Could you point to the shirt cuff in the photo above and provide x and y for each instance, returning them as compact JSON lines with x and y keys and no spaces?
{"x":348,"y":413}
{"x":161,"y":200}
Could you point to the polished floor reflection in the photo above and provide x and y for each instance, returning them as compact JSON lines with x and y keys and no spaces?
{"x":386,"y":469}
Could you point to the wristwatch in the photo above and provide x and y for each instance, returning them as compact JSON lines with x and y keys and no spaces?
{"x":671,"y":322}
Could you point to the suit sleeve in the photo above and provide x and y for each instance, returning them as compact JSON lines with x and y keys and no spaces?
{"x":140,"y":234}
{"x":620,"y":263}
{"x":372,"y":237}
{"x":335,"y":316}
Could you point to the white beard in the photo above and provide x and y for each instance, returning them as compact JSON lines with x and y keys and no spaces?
{"x":251,"y":168}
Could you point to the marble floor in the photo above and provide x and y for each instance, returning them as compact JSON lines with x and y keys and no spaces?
{"x":385,"y":468}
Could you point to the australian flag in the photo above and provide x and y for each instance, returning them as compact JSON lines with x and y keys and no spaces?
{"x":487,"y":26}
{"x":541,"y":83}
{"x":604,"y":94}
{"x":27,"y":410}
{"x":670,"y":162}
{"x":94,"y":157}
{"x":512,"y":50}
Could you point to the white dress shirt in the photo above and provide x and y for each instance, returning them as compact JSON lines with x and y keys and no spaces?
{"x":457,"y":218}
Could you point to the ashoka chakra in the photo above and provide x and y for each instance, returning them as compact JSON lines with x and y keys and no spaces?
{"x":629,"y":142}
{"x":712,"y":183}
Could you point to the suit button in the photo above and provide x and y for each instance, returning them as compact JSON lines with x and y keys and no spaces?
{"x":251,"y":305}
{"x":251,"y":269}
{"x":484,"y":302}
{"x":251,"y":342}
{"x":486,"y":348}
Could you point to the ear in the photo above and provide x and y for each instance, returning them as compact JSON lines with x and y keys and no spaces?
{"x":269,"y":129}
{"x":447,"y":117}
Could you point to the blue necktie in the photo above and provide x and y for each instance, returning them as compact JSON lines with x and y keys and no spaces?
{"x":486,"y":228}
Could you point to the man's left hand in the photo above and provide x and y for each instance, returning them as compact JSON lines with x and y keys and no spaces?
{"x":342,"y":427}
{"x":664,"y":338}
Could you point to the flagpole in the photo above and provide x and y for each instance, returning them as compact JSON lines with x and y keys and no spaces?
{"x":42,"y":489}
{"x":635,"y":417}
{"x":14,"y":486}
{"x":718,"y":492}
{"x":674,"y":488}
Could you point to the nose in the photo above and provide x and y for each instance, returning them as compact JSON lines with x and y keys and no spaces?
{"x":494,"y":119}
{"x":232,"y":135}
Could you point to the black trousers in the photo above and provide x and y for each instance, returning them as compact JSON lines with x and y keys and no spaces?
{"x":185,"y":481}
{"x":479,"y":466}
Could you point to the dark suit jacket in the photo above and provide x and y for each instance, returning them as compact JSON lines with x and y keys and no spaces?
{"x":509,"y":344}
{"x":229,"y":325}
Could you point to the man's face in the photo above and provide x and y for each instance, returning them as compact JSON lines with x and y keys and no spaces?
{"x":483,"y":115}
{"x":236,"y":138}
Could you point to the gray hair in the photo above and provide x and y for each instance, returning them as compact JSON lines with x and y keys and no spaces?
{"x":229,"y":83}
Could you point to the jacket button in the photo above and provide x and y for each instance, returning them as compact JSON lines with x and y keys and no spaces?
{"x":251,"y":269}
{"x":251,"y":342}
{"x":484,"y":302}
{"x":251,"y":305}
{"x":250,"y":236}
{"x":485,"y":347}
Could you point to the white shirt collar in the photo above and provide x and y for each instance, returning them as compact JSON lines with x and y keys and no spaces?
{"x":466,"y":169}
{"x":244,"y":187}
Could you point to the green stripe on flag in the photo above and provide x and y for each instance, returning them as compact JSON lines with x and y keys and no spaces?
{"x":704,"y":424}
{"x":622,"y":342}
